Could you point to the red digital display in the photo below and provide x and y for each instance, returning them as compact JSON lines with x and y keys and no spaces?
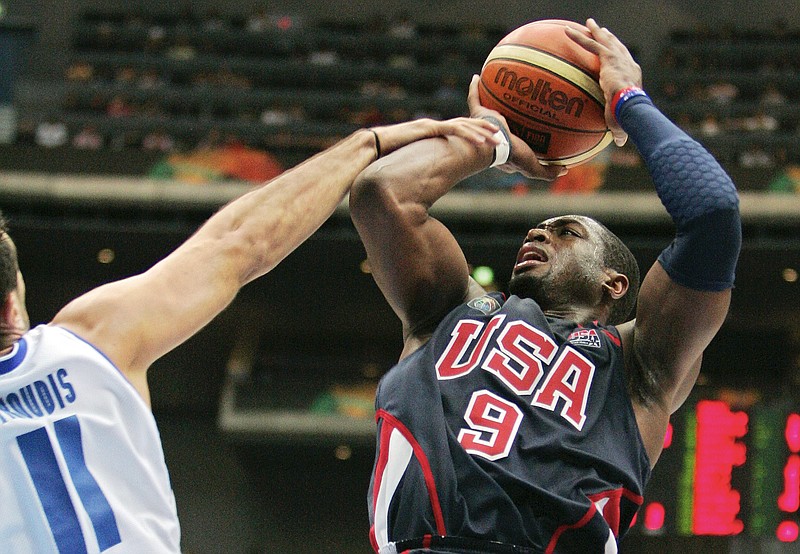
{"x":727,"y":471}
{"x":716,"y":504}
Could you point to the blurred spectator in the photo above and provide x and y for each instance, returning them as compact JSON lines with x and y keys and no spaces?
{"x":367,"y":116}
{"x":214,"y":21}
{"x":277,"y":114}
{"x":211,"y":140}
{"x":685,"y":122}
{"x":104,"y":37}
{"x":777,"y":65}
{"x":755,"y":156}
{"x":670,"y":90}
{"x":150,"y":78}
{"x":371,"y":88}
{"x":710,"y":126}
{"x":125,"y":75}
{"x":402,"y":60}
{"x":80,"y":71}
{"x":325,"y":55}
{"x":397,"y":114}
{"x":772,"y":95}
{"x":181,"y":48}
{"x":158,"y":140}
{"x":156,"y":36}
{"x":759,"y":121}
{"x":88,"y":138}
{"x":402,"y":25}
{"x":51,"y":133}
{"x":119,"y":106}
{"x":258,"y":21}
{"x":722,"y":92}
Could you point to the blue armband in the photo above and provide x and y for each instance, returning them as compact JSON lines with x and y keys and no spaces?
{"x":704,"y":253}
{"x":696,"y":191}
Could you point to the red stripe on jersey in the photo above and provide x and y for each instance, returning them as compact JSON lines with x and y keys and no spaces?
{"x":422,"y":459}
{"x":380,"y":466}
{"x":612,"y":336}
{"x":587,"y":517}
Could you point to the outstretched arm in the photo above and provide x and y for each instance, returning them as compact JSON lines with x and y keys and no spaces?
{"x":685,"y":296}
{"x":414,"y":258}
{"x":137,"y":320}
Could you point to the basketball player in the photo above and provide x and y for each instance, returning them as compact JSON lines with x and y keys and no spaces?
{"x":81,"y":467}
{"x":530,"y":422}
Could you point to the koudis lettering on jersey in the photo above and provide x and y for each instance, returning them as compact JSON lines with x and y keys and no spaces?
{"x":39,"y":399}
{"x":527,"y":361}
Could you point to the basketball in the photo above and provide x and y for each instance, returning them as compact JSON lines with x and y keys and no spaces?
{"x":546,"y":86}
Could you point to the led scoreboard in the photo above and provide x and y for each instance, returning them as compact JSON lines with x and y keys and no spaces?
{"x":727,"y":471}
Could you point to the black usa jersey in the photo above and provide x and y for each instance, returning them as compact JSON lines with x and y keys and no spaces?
{"x":511,"y":426}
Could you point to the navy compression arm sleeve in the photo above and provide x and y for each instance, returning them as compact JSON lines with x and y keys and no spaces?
{"x":698,"y":194}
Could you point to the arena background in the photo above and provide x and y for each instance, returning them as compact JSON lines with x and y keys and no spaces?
{"x":262,"y":414}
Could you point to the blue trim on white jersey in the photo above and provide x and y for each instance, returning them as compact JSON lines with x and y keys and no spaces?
{"x":13,"y":359}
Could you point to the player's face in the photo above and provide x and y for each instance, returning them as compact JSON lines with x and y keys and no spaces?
{"x":560,"y":263}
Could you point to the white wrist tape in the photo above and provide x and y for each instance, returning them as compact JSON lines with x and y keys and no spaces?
{"x":502,"y":151}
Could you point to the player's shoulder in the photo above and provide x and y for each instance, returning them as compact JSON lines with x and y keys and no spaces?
{"x":625,"y":332}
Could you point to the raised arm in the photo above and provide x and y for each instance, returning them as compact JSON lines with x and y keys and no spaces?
{"x":685,"y":296}
{"x":414,"y":258}
{"x":137,"y":320}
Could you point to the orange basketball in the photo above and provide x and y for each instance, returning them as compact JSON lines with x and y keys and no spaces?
{"x":547,"y":88}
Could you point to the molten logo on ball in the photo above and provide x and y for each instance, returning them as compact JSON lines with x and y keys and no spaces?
{"x":541,"y":91}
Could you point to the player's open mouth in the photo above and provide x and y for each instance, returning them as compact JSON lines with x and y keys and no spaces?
{"x":528,"y":256}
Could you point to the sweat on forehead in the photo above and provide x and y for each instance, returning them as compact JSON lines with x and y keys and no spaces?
{"x":564,"y":219}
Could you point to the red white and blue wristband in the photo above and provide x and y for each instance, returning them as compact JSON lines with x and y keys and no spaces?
{"x":622,"y":96}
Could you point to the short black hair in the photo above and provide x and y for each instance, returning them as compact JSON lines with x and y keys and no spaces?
{"x":617,"y":256}
{"x":8,"y":261}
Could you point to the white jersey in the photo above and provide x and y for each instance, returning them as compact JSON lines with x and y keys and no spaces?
{"x":81,"y":465}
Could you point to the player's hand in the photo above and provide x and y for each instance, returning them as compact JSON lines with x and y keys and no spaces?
{"x":523,"y":160}
{"x":476,"y":131}
{"x":618,"y":69}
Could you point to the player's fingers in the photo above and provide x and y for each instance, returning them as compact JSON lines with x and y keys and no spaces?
{"x":526,"y":162}
{"x":477,"y":131}
{"x":546,"y":173}
{"x":587,"y":42}
{"x":472,"y":98}
{"x":603,"y":35}
{"x":597,"y":31}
